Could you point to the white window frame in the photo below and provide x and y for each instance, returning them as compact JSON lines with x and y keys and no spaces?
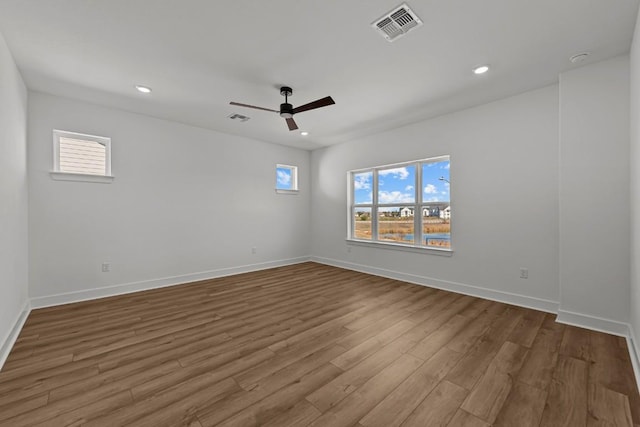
{"x":374,"y":206}
{"x":59,"y":175}
{"x":294,"y":179}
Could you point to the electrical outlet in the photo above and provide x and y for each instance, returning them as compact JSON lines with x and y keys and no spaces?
{"x":524,"y":273}
{"x":106,"y":267}
{"x":254,"y":250}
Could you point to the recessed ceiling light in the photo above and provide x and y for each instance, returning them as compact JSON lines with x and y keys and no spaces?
{"x":304,"y":133}
{"x":579,"y":57}
{"x":143,"y":89}
{"x":481,"y":69}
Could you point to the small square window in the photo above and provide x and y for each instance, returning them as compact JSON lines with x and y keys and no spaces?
{"x":80,"y":157}
{"x":286,"y":178}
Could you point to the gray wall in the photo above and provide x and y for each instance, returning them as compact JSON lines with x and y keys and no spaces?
{"x":504,"y":189}
{"x":635,"y":187}
{"x":594,"y":190}
{"x":539,"y":180}
{"x":186,"y":203}
{"x":13,"y":199}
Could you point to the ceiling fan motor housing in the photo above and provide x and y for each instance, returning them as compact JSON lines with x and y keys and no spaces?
{"x":286,"y":110}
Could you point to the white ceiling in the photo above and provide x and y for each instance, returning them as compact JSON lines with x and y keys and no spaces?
{"x":198,"y":55}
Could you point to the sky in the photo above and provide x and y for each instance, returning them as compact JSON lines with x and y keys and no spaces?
{"x":397,"y":185}
{"x":283,"y":178}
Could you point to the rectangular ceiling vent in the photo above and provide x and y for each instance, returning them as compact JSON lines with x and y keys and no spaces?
{"x":236,"y":116}
{"x":397,"y":23}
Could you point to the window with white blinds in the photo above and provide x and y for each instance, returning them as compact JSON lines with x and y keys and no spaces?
{"x":78,"y":155}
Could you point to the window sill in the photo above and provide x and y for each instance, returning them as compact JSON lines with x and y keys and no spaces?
{"x":279,"y":191}
{"x":401,"y":247}
{"x":79,"y":177}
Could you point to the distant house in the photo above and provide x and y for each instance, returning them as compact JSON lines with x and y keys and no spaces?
{"x":406,"y":212}
{"x":446,"y":213}
{"x":434,"y":209}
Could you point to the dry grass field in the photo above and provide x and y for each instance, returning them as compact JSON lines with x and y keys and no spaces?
{"x":395,"y":230}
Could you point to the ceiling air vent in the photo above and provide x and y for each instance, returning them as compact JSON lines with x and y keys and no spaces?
{"x":236,"y":116}
{"x":397,"y":23}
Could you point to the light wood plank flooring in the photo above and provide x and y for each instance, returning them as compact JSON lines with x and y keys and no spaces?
{"x":312,"y":345}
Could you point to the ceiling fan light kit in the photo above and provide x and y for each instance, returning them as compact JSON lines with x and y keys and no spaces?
{"x":287,"y":111}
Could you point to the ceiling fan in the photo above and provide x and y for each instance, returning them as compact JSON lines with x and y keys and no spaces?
{"x":287,"y":111}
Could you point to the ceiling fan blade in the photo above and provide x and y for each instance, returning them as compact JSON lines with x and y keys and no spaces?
{"x":315,"y":104}
{"x":253,"y":106}
{"x":291,"y":123}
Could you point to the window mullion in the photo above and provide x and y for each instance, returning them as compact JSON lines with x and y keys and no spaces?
{"x":351,"y":206}
{"x":417,"y":217}
{"x":374,"y":206}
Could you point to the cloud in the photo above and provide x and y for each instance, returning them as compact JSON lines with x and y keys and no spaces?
{"x":368,"y":198}
{"x":400,"y":173}
{"x":433,"y":199}
{"x":283,"y":177}
{"x":394,"y":197}
{"x":362,"y":181}
{"x":430,"y":189}
{"x":447,"y":166}
{"x":408,"y":188}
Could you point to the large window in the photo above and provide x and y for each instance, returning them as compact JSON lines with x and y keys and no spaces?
{"x":406,"y":204}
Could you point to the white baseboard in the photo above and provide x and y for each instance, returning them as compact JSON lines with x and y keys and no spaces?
{"x":634,"y":352}
{"x":594,"y":323}
{"x":10,"y":340}
{"x":462,"y":288}
{"x":109,"y":291}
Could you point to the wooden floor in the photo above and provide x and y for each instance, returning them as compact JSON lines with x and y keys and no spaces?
{"x":312,"y":345}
